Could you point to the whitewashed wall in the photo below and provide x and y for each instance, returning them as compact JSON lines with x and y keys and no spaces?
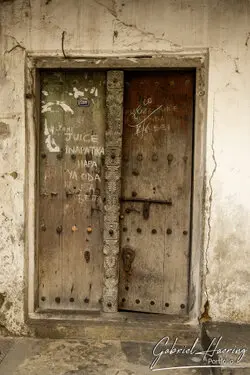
{"x":115,"y":26}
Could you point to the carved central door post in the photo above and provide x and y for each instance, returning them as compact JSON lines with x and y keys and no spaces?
{"x":113,"y":151}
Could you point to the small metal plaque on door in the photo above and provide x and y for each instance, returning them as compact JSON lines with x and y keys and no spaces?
{"x":83,"y":102}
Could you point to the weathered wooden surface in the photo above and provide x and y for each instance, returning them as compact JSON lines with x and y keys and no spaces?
{"x":157,"y":166}
{"x":71,"y":180}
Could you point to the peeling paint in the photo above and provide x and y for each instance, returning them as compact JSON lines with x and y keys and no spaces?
{"x":14,"y":175}
{"x":77,"y":93}
{"x":4,"y":130}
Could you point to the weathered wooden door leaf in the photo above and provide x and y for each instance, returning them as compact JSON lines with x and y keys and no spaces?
{"x":156,"y":191}
{"x":71,"y":178}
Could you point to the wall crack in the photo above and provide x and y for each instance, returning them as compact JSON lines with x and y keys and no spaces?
{"x":133,"y":26}
{"x":247,"y":39}
{"x":17,"y":45}
{"x":62,"y":41}
{"x":230,"y":57}
{"x":210,"y":202}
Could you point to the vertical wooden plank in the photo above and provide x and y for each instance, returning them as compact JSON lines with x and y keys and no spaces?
{"x":75,"y":117}
{"x":177,"y":248}
{"x":157,"y":166}
{"x":51,"y":193}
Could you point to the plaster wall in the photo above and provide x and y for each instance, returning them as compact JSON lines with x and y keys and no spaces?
{"x":112,"y":27}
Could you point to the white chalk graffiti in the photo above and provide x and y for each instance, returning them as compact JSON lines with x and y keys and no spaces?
{"x":49,"y":140}
{"x":79,"y":150}
{"x":65,"y":107}
{"x":141,"y":109}
{"x":142,"y":127}
{"x":47,"y":107}
{"x":83,"y":137}
{"x":74,"y":175}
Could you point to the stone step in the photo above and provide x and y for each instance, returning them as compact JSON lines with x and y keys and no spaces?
{"x":229,"y":344}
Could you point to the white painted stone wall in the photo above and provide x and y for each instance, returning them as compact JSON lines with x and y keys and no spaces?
{"x":115,"y":26}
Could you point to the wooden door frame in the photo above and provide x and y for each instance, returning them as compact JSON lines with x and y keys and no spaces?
{"x":115,"y":65}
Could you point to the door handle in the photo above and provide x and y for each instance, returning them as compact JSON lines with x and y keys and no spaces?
{"x":128,"y":256}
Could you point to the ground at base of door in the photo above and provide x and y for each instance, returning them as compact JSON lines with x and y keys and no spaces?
{"x":29,"y":356}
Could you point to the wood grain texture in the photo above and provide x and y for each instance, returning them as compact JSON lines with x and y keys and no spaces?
{"x":157,"y":165}
{"x":71,"y":186}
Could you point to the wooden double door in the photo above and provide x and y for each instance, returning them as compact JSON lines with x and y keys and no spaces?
{"x":156,"y":191}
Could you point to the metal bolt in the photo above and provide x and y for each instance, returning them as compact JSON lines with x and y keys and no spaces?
{"x":69,"y":193}
{"x":135,"y":172}
{"x":43,"y":299}
{"x":154,"y":157}
{"x":183,"y":306}
{"x":43,"y":227}
{"x":59,"y":229}
{"x":89,"y":229}
{"x":167,"y":304}
{"x":139,"y":157}
{"x":152,"y":303}
{"x":169,"y":202}
{"x":87,"y":256}
{"x":154,"y":231}
{"x":58,"y":299}
{"x":170,"y":158}
{"x":44,"y":194}
{"x":137,"y":301}
{"x":185,"y":232}
{"x":86,"y":300}
{"x":71,"y":299}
